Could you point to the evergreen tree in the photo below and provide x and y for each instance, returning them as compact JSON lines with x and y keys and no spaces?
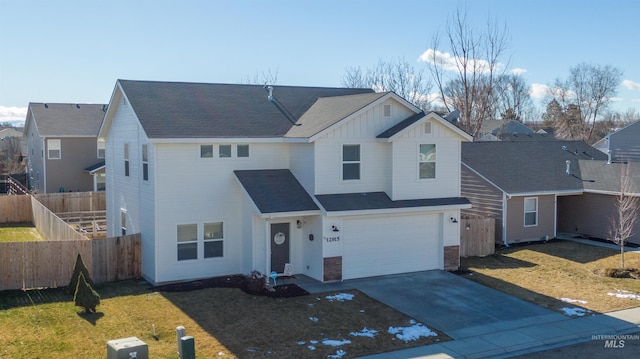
{"x":78,"y":268}
{"x":85,"y":296}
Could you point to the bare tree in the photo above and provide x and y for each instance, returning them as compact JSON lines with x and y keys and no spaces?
{"x":11,"y":156}
{"x":622,"y":223}
{"x":514,"y":97}
{"x":591,"y":88}
{"x":398,"y":76}
{"x":474,"y":57}
{"x":262,"y":78}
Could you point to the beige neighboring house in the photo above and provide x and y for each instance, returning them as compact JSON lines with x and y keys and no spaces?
{"x":63,"y":153}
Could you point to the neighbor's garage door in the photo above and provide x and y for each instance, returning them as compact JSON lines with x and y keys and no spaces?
{"x":390,"y":244}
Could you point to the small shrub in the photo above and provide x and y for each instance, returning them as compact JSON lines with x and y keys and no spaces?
{"x":255,"y":281}
{"x":85,"y":296}
{"x":78,"y":268}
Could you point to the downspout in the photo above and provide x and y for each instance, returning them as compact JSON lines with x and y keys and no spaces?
{"x":43,"y":153}
{"x":505,"y":198}
{"x":555,"y":216}
{"x":267,"y":246}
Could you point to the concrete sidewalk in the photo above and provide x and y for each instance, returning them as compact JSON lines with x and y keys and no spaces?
{"x":527,"y":339}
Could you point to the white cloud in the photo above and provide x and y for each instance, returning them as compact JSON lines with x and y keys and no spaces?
{"x":518,"y":71}
{"x":14,"y":115}
{"x":539,"y":91}
{"x":450,"y":63}
{"x":631,"y":85}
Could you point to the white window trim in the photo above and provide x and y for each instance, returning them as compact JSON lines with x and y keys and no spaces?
{"x":384,"y":107}
{"x":343,"y":162}
{"x":123,"y":218}
{"x":230,"y":151}
{"x":127,"y":163}
{"x":145,"y":148}
{"x":248,"y":150}
{"x":524,"y":205}
{"x":206,"y":240}
{"x":435,"y":163}
{"x":50,"y":143}
{"x":101,"y":146}
{"x":197,"y":242}
{"x":213,"y":148}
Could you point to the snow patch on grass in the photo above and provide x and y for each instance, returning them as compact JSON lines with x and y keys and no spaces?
{"x":624,"y":294}
{"x":569,"y":300}
{"x":411,"y":333}
{"x":340,"y":297}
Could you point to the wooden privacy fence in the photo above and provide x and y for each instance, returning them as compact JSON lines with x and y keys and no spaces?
{"x":52,"y":227}
{"x":15,"y":209}
{"x":27,"y":265}
{"x":73,"y":201}
{"x":477,"y":237}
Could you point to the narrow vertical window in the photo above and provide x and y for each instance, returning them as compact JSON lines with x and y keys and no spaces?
{"x":386,"y":110}
{"x":126,"y":159}
{"x":530,"y":211}
{"x":213,"y":240}
{"x":145,"y":162}
{"x":123,"y":221}
{"x":101,"y":149}
{"x":351,"y":162}
{"x":187,"y":241}
{"x":54,"y":150}
{"x":427,"y":162}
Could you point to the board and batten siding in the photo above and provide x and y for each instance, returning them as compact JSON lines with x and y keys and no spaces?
{"x":127,"y":192}
{"x":194,"y":190}
{"x":302,"y":164}
{"x":486,"y":200}
{"x":406,"y":183}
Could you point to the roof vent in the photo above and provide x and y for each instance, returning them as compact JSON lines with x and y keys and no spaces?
{"x":77,"y":105}
{"x":46,"y":105}
{"x":568,"y":167}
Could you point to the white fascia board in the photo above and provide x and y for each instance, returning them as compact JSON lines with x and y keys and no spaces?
{"x":219,"y":140}
{"x":363,"y":109}
{"x":434,"y":116}
{"x":611,"y":193}
{"x":106,"y":121}
{"x":366,"y":212}
{"x":315,"y":212}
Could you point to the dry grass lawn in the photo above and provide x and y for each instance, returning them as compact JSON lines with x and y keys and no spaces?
{"x":225,"y":323}
{"x":19,"y":232}
{"x":546,"y":272}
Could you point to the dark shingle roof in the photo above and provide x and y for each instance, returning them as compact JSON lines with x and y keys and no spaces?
{"x":601,"y":176}
{"x":379,"y":200}
{"x":67,"y":119}
{"x":402,"y":125}
{"x":529,"y":166}
{"x":275,"y":191}
{"x":201,"y":110}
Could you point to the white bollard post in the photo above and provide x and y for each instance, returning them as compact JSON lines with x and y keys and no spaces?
{"x":180,"y":332}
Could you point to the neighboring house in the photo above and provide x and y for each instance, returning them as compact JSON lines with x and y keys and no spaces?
{"x":589,"y":214}
{"x":496,"y":130}
{"x":61,"y":144}
{"x":622,"y":145}
{"x":519,"y":184}
{"x":218,"y":180}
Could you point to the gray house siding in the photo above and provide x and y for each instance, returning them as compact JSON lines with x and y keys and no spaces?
{"x":625,"y":144}
{"x":516,"y":229}
{"x":588,"y":215}
{"x":486,"y":199}
{"x":67,"y":173}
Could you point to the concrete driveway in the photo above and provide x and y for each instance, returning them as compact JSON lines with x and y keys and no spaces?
{"x":457,"y":306}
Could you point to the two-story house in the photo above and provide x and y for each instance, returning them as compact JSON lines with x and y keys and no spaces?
{"x":62,"y":147}
{"x":333,"y":183}
{"x":623,"y":144}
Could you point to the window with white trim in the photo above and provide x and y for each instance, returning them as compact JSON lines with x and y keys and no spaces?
{"x":145,"y":162}
{"x":386,"y":110}
{"x":243,"y":151}
{"x":101,"y":149}
{"x":187,"y":241}
{"x":123,"y":221}
{"x":126,"y":160}
{"x":213,"y":240}
{"x":54,"y":149}
{"x":530,"y":211}
{"x":206,"y":151}
{"x":224,"y":151}
{"x":427,"y":161}
{"x":351,"y":162}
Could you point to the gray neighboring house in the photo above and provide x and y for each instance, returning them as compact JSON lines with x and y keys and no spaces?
{"x":497,"y":130}
{"x":589,"y":214}
{"x":63,"y":153}
{"x":623,"y":144}
{"x":519,"y":184}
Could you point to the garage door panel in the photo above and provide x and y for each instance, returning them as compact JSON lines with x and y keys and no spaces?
{"x":389,"y":245}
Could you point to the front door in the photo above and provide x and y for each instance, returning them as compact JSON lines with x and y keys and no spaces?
{"x":279,"y":246}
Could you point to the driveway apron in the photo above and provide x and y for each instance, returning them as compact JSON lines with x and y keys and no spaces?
{"x":457,"y":306}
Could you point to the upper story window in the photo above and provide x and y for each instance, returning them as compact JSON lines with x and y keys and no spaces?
{"x":101,"y":149}
{"x":243,"y":150}
{"x":126,"y":159}
{"x":427,"y":161}
{"x":54,"y":149}
{"x":427,"y":128}
{"x":224,"y":151}
{"x":351,"y":162}
{"x":206,"y":151}
{"x":530,"y":211}
{"x":386,"y":110}
{"x":145,"y":162}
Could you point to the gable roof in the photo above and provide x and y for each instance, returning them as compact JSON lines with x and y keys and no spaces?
{"x":511,"y":127}
{"x":275,"y":191}
{"x":203,"y":110}
{"x":522,"y":167}
{"x":65,"y":119}
{"x":419,"y":117}
{"x":328,"y":111}
{"x":381,"y":201}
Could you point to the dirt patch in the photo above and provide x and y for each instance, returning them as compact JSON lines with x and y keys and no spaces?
{"x":633,"y":273}
{"x":235,"y":281}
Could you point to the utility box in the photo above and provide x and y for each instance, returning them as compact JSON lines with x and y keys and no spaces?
{"x":127,"y":348}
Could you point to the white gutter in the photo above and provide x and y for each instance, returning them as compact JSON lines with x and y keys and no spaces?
{"x":364,"y":212}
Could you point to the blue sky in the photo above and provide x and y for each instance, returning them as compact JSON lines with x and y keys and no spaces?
{"x":74,"y":51}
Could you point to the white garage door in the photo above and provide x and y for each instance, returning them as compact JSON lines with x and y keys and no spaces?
{"x":391,"y":244}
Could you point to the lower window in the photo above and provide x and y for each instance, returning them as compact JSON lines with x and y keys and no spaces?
{"x":213,"y":240}
{"x":531,"y":211}
{"x":187,"y":241}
